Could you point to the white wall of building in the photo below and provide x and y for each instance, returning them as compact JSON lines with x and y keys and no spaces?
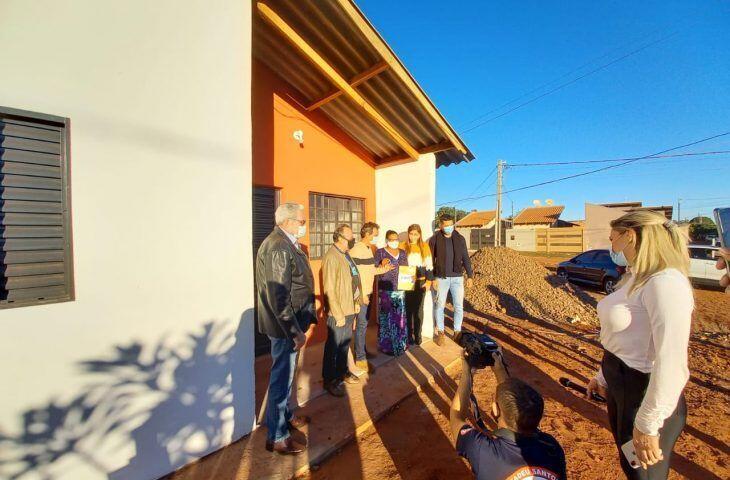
{"x":597,"y":225}
{"x":522,"y":240}
{"x":406,"y":194}
{"x":152,"y":365}
{"x":466,"y":233}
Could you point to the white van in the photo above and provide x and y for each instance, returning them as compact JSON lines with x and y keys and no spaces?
{"x":702,"y":260}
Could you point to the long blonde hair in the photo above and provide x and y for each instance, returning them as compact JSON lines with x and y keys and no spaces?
{"x":659,"y":245}
{"x":421,"y":244}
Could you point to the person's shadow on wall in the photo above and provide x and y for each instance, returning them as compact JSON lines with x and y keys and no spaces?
{"x":174,"y":401}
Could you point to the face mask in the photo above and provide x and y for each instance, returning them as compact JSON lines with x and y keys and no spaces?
{"x":374,"y":241}
{"x":619,"y":258}
{"x":393,"y":245}
{"x":301,"y":231}
{"x":350,"y":243}
{"x":449,"y":230}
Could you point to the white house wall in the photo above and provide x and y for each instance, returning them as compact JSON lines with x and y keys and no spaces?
{"x":152,"y":365}
{"x":406,"y":194}
{"x":523,"y":240}
{"x":598,"y":225}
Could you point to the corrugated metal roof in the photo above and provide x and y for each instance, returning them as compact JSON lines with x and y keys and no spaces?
{"x":533,"y":215}
{"x":477,"y":219}
{"x":331,"y":28}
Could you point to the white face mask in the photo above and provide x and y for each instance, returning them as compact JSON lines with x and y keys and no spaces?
{"x":393,"y":244}
{"x":374,"y":241}
{"x":301,"y":231}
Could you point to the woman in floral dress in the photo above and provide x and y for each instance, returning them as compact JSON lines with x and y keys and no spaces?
{"x":392,"y":331}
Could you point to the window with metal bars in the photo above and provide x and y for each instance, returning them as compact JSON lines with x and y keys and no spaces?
{"x":35,"y":229}
{"x":326,"y":213}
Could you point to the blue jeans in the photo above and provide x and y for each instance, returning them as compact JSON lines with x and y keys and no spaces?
{"x":361,"y":330}
{"x":284,"y":364}
{"x":455,"y":285}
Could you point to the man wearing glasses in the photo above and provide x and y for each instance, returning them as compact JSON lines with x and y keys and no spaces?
{"x":285,"y":309}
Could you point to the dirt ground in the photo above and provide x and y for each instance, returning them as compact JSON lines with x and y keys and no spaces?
{"x":412,"y":442}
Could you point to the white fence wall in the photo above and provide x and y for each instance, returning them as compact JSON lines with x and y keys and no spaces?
{"x":521,"y":239}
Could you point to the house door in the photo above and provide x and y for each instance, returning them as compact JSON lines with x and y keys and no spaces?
{"x":265,"y":201}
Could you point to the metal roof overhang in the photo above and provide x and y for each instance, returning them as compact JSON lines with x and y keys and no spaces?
{"x":331,"y":54}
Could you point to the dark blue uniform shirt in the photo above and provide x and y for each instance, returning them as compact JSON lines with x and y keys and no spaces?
{"x":510,"y":456}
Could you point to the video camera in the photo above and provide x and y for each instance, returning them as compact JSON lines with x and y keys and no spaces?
{"x":478,"y":348}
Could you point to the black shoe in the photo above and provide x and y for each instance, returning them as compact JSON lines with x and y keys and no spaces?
{"x":417,"y":341}
{"x":335,"y":389}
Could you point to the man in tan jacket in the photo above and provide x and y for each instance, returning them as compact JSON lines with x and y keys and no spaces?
{"x":343,"y":292}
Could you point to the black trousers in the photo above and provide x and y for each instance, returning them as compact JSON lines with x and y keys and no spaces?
{"x":626,"y":390}
{"x":414,"y":313}
{"x":336,"y":348}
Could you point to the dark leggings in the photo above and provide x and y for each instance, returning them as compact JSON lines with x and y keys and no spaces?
{"x":414,"y":312}
{"x":626,"y":390}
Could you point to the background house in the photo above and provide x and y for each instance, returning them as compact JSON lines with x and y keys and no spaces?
{"x":479,"y":226}
{"x":538,"y":217}
{"x":539,"y":229}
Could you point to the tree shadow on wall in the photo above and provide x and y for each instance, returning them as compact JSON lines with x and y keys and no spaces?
{"x":174,"y":401}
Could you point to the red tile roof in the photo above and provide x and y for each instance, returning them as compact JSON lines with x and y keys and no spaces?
{"x":477,"y":219}
{"x":537,"y":215}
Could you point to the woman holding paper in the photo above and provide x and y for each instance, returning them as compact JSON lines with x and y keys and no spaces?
{"x":419,"y":256}
{"x":392,"y":331}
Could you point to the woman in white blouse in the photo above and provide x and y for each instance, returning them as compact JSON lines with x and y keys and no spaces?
{"x":645,"y":327}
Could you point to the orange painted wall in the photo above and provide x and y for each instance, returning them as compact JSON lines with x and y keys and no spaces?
{"x":329,"y":162}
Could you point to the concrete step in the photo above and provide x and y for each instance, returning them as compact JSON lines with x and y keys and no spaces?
{"x":335,"y":421}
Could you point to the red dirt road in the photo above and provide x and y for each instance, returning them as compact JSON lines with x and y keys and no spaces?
{"x":412,"y":442}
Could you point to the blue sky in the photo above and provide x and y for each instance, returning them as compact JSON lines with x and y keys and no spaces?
{"x":473,"y":56}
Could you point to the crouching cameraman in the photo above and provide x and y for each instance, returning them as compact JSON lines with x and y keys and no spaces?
{"x":517,"y":449}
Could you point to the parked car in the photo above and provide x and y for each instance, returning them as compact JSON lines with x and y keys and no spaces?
{"x":593,"y":267}
{"x":702,"y":271}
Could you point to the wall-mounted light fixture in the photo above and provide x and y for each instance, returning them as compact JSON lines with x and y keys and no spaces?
{"x":299,"y":137}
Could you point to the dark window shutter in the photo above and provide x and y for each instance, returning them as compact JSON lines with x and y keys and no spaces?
{"x":264,"y":206}
{"x":34,"y":210}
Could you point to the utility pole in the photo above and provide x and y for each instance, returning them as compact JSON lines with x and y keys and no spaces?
{"x":679,"y":210}
{"x":498,"y":224}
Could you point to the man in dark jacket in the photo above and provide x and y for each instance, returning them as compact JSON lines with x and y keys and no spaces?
{"x":450,"y":259}
{"x":285,"y":310}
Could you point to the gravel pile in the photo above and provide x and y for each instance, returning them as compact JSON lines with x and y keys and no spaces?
{"x":508,"y":282}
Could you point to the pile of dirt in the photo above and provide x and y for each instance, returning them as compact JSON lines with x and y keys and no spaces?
{"x":510,"y":283}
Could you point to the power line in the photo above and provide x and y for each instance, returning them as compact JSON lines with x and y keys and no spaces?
{"x":483,"y":181}
{"x":553,"y":81}
{"x":538,"y":164}
{"x":705,"y":198}
{"x":627,"y":162}
{"x":563,"y":85}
